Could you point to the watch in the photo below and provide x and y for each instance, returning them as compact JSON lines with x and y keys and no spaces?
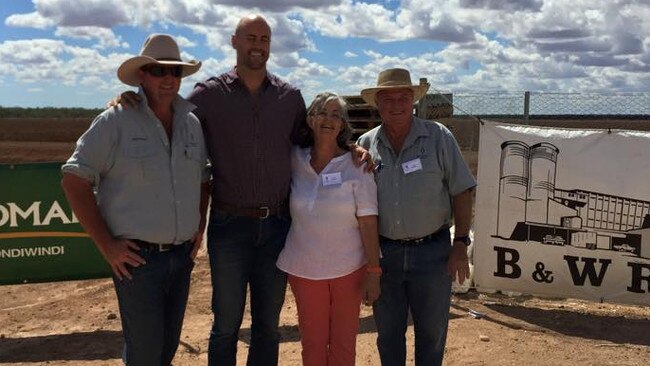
{"x":463,"y":239}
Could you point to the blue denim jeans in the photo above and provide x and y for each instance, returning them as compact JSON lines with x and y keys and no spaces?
{"x":152,"y":305}
{"x":243,"y":252}
{"x":414,"y":278}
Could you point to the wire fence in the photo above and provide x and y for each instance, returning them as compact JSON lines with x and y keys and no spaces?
{"x":629,"y":111}
{"x":550,"y":104}
{"x":626,"y":111}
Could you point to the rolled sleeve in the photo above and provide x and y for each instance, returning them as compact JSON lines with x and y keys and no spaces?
{"x":457,"y":174}
{"x":365,"y":195}
{"x":93,"y":152}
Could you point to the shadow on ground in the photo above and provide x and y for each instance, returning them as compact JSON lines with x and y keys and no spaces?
{"x":97,"y":345}
{"x":615,"y":329}
{"x":609,"y":328}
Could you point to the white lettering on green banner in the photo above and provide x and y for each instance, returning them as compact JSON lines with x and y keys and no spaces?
{"x":40,"y":237}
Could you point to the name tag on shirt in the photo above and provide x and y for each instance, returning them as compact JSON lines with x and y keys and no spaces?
{"x":412,"y":166}
{"x":332,"y":179}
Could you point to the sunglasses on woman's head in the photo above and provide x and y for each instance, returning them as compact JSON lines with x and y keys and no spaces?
{"x":161,"y":71}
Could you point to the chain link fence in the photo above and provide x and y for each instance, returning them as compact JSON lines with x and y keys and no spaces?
{"x":628,"y":111}
{"x":551,"y":104}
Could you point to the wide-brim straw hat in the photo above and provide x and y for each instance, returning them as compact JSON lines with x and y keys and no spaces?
{"x":394,"y":79}
{"x":157,"y":49}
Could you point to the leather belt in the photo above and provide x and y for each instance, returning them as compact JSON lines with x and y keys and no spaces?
{"x":416,"y":241}
{"x":261,"y":212}
{"x":165,"y":247}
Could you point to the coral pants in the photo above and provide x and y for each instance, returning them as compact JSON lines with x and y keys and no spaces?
{"x":328,"y":317}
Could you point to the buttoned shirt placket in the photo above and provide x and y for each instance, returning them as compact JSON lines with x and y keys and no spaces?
{"x":396,"y":174}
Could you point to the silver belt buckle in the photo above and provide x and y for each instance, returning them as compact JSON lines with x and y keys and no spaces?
{"x":267,"y":212}
{"x":418,"y":240}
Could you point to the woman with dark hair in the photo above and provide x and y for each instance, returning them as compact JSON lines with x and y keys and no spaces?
{"x":332,"y":253}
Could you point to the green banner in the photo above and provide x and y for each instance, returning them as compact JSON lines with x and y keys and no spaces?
{"x":40,"y":238}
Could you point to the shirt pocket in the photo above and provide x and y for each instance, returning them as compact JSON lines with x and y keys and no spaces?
{"x":145,"y":161}
{"x":426,"y":183}
{"x":380,"y":171}
{"x":192,"y":160}
{"x":192,"y":152}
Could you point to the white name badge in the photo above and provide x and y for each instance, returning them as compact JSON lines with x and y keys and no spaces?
{"x":412,"y":166}
{"x":332,"y":179}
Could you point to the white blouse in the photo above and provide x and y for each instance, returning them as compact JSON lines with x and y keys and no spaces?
{"x":324,"y":240}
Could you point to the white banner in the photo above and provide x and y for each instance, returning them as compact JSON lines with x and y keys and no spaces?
{"x":563,"y":212}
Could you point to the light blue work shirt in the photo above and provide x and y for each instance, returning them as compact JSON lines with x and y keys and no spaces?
{"x":147,"y":187}
{"x":416,"y":200}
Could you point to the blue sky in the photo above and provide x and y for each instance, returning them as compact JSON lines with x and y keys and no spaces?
{"x":65,"y":53}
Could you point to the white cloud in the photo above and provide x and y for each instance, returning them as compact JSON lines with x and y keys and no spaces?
{"x":93,"y":81}
{"x":354,"y":19}
{"x":436,"y":25}
{"x":288,"y":35}
{"x":557,"y":44}
{"x":464,"y":44}
{"x":425,"y":65}
{"x":279,"y":6}
{"x":31,"y":20}
{"x":46,"y":60}
{"x":105,"y":37}
{"x":30,"y":52}
{"x":529,"y":5}
{"x":184,"y":42}
{"x":209,"y":68}
{"x":100,"y":13}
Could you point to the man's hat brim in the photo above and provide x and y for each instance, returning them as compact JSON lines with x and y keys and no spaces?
{"x":370,"y":94}
{"x":128,"y":71}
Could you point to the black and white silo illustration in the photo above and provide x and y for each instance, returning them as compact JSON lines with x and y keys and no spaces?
{"x":531,"y":209}
{"x":541,"y":186}
{"x":513,"y":186}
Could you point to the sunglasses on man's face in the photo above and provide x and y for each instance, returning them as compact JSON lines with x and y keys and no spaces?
{"x":161,"y":71}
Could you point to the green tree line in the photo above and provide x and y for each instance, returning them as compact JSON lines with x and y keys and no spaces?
{"x":47,"y":112}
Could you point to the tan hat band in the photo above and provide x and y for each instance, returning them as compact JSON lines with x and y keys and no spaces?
{"x":395,"y":83}
{"x":394,"y":79}
{"x":168,"y":59}
{"x":158,"y":49}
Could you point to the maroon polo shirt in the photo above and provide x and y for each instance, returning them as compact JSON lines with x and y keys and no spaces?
{"x":249,"y":137}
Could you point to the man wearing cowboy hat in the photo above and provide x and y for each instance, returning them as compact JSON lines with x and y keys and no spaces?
{"x":422,"y":183}
{"x":251,"y":119}
{"x":148,"y":168}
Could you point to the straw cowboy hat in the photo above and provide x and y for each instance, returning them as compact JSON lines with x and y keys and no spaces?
{"x":393,"y":79}
{"x":158,"y":49}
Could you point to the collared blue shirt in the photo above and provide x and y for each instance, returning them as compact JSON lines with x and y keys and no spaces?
{"x":417,"y":202}
{"x":147,"y":187}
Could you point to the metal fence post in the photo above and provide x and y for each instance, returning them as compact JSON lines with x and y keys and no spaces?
{"x":526,"y":106}
{"x":423,"y":104}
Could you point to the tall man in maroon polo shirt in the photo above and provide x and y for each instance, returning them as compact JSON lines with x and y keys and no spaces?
{"x":250,"y":118}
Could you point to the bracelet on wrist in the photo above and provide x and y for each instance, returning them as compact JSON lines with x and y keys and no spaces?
{"x":373,"y":269}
